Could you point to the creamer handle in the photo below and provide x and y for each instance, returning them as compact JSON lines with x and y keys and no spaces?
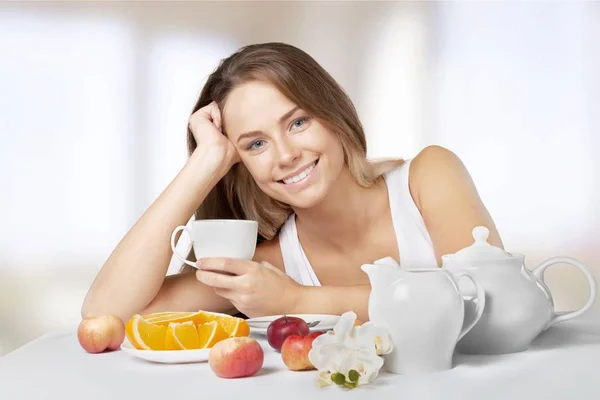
{"x":538,"y":272}
{"x":480,"y":302}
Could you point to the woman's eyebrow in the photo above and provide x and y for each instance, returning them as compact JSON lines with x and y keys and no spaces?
{"x":281,"y":121}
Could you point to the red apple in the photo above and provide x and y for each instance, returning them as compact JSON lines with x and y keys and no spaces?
{"x":102,"y":333}
{"x":294,"y":351}
{"x":283,"y":327}
{"x":236,"y":357}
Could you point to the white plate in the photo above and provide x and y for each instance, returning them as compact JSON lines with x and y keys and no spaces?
{"x":327,"y":322}
{"x":167,"y":356}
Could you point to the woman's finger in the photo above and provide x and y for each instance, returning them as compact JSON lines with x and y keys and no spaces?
{"x":215,"y":115}
{"x":217,"y":280}
{"x":227,"y":265}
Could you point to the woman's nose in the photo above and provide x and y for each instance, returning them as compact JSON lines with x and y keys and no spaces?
{"x":288,"y":153}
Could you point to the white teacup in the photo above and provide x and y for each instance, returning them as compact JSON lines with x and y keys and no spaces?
{"x":232,"y":238}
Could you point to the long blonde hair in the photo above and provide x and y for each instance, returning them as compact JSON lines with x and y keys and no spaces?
{"x":304,"y":82}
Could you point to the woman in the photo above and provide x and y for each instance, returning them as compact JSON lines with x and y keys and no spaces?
{"x":275,"y":139}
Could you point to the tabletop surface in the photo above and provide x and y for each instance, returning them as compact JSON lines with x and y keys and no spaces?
{"x":561,"y":363}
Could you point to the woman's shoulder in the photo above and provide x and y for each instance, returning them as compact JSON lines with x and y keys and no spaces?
{"x":435,"y":169}
{"x":431,"y":160}
{"x":448,"y":200}
{"x":434,"y":154}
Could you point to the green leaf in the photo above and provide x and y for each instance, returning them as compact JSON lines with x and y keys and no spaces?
{"x":353,"y":375}
{"x":338,"y":378}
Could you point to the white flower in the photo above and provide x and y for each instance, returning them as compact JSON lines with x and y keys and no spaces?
{"x":369,"y":334}
{"x":348,"y":347}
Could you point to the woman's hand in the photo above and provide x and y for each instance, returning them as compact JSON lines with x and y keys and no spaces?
{"x":255,"y":289}
{"x":205,"y":124}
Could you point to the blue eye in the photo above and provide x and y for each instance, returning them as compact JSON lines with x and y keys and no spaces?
{"x":257,"y":144}
{"x":303,"y":119}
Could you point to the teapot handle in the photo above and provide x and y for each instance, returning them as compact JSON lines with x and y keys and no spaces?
{"x":480,"y":302}
{"x":538,"y":272}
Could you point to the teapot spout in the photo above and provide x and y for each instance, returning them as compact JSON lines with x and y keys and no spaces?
{"x":382,"y":272}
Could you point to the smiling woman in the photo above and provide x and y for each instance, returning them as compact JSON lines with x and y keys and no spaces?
{"x":275,"y":99}
{"x":273,"y":138}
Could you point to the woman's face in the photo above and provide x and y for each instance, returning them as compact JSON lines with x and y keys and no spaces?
{"x":292,"y":157}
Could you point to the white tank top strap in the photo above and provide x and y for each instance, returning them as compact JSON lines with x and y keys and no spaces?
{"x":414,"y":242}
{"x":295,"y":261}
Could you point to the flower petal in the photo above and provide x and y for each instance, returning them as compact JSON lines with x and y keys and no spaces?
{"x":370,"y":365}
{"x":348,"y":361}
{"x":375,"y":335}
{"x":343,"y":327}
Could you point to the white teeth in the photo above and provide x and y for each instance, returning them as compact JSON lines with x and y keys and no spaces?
{"x":300,"y":176}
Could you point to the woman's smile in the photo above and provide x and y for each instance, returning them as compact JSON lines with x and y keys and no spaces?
{"x":300,"y":179}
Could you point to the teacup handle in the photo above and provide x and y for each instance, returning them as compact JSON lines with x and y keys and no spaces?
{"x":480,"y":303}
{"x":538,"y":272}
{"x":174,"y":248}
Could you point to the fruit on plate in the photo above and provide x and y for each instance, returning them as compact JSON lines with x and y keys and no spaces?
{"x":101,"y":333}
{"x":294,"y":351}
{"x":183,"y":330}
{"x":211,"y":333}
{"x":236,"y":357}
{"x":279,"y":329}
{"x":164,"y":319}
{"x":144,"y":335}
{"x":182,"y":336}
{"x":235,"y":327}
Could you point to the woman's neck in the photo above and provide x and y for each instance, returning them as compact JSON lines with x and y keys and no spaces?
{"x":340,"y":221}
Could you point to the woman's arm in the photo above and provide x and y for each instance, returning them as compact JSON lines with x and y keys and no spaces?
{"x":132,"y":278}
{"x":448,"y":200}
{"x":334,"y":300}
{"x":261,"y":287}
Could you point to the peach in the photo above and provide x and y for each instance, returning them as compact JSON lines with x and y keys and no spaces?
{"x":294,"y":351}
{"x":236,"y":357}
{"x":98,"y":334}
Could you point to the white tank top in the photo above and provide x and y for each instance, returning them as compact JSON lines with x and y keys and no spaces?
{"x":414,"y":243}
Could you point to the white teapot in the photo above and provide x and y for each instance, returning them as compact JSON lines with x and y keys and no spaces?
{"x":424,"y":313}
{"x":519,"y":305}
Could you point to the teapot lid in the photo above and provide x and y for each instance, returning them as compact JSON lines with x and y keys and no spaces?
{"x":481,"y":249}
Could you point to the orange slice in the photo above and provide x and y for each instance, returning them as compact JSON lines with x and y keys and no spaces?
{"x":163,"y":315}
{"x":182,"y":336}
{"x":178,"y":317}
{"x":158,"y":314}
{"x":208,"y":316}
{"x":210,"y":334}
{"x":145,"y":335}
{"x":235,"y":327}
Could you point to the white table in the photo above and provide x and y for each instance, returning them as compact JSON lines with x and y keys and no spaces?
{"x":562,"y":363}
